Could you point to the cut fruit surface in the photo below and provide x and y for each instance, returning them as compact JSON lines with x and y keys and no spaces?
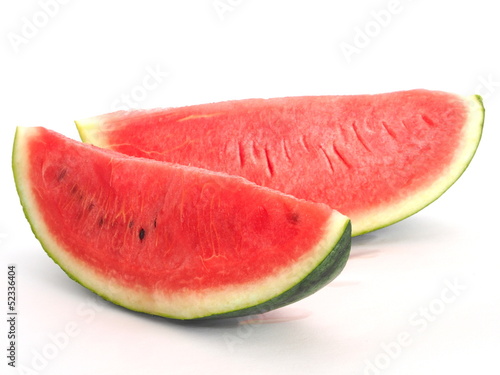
{"x":173,"y":240}
{"x":375,"y":158}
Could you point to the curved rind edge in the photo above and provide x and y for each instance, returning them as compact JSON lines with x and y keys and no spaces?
{"x":321,"y":274}
{"x":473,"y":132}
{"x":379,"y":217}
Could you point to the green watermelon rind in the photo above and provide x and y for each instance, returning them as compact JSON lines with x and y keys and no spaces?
{"x":323,"y":274}
{"x":336,"y":244}
{"x":331,"y":266}
{"x":400,"y":208}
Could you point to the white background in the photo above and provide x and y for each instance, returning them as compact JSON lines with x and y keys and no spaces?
{"x":420,"y":297}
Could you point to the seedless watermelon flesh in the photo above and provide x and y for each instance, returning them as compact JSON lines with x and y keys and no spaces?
{"x":172,"y":240}
{"x":375,"y":158}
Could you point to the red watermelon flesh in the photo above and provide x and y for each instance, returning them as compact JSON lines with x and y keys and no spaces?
{"x":375,"y":158}
{"x":173,"y":240}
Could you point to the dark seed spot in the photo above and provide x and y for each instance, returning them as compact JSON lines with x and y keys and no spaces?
{"x":61,"y":174}
{"x":101,"y":221}
{"x":131,"y":224}
{"x":293,"y":217}
{"x":90,"y":207}
{"x":142,"y":233}
{"x":154,"y":223}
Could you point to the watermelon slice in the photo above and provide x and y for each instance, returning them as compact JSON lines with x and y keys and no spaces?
{"x":376,"y":158}
{"x":173,"y":240}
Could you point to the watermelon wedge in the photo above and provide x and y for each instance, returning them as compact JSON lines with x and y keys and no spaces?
{"x":376,"y":158}
{"x":171,"y":240}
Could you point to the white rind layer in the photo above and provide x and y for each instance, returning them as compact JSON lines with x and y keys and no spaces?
{"x":181,"y":305}
{"x":380,"y":216}
{"x":397,"y":211}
